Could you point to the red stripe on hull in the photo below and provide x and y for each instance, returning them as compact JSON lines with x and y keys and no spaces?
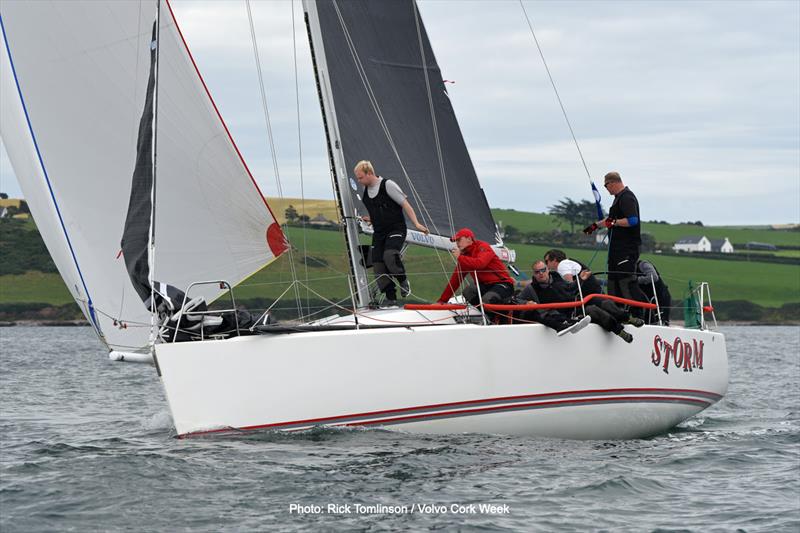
{"x":332,"y":420}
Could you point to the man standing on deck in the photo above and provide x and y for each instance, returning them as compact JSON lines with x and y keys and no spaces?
{"x":476,"y":259}
{"x":386,"y":204}
{"x":624,"y":230}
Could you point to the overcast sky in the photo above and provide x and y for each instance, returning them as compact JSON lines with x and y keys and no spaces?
{"x":696,"y":104}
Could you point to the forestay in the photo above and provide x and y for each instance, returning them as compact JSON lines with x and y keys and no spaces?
{"x":74,"y":77}
{"x":383,"y":110}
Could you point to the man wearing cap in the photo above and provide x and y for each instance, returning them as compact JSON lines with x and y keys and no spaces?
{"x":624,"y":231}
{"x":386,"y":204}
{"x":477,"y":259}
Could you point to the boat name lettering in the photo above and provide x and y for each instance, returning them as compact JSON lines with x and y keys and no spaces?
{"x":421,"y":237}
{"x":685,"y":355}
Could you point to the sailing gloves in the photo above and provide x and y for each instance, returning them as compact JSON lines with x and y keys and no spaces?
{"x":609,"y":223}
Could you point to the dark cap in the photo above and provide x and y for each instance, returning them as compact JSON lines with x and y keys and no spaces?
{"x":463,"y":232}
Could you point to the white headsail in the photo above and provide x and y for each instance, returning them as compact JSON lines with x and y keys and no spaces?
{"x":74,"y":77}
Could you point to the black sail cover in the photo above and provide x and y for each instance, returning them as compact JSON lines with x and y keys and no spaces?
{"x":386,"y":49}
{"x":136,"y":235}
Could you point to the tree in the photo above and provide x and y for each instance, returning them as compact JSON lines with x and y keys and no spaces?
{"x":648,"y":242}
{"x":511,"y":233}
{"x":290,"y":213}
{"x":581,"y":213}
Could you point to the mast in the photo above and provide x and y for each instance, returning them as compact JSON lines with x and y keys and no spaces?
{"x":336,"y":159}
{"x":151,"y":249}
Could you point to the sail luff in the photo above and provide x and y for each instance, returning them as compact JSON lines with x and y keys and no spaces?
{"x":88,"y":310}
{"x":338,"y":166}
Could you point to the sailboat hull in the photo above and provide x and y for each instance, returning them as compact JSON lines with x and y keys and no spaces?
{"x":507,"y":379}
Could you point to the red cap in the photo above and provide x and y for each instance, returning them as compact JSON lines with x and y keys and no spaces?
{"x":463,"y":232}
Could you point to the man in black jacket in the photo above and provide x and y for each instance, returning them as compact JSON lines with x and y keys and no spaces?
{"x":624,"y":227}
{"x":388,"y":207}
{"x":549,"y":287}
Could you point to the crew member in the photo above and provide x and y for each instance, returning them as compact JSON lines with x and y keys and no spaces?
{"x":624,"y":228}
{"x":551,"y":288}
{"x":647,"y":276}
{"x":572,"y":270}
{"x":560,"y":320}
{"x":477,"y":259}
{"x":386,"y":203}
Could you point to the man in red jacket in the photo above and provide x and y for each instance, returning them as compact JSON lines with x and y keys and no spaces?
{"x":476,"y":259}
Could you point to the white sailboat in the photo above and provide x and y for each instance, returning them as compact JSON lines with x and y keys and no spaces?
{"x":427,"y":370}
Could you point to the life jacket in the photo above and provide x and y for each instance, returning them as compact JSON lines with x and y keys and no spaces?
{"x":384,"y":212}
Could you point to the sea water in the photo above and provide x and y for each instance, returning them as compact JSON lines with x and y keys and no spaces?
{"x":87,"y":444}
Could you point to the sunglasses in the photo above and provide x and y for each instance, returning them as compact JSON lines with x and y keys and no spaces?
{"x":540,"y":271}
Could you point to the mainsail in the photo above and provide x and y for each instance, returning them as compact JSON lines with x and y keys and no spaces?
{"x":377,"y":56}
{"x":74,"y":83}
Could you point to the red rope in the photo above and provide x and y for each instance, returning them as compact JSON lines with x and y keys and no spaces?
{"x":531,"y":307}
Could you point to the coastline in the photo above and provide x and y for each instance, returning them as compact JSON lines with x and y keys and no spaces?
{"x":84,"y":323}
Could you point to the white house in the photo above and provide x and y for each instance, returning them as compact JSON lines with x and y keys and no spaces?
{"x":723,"y":246}
{"x":693,"y":244}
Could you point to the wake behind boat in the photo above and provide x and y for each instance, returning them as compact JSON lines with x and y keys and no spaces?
{"x":179,"y":209}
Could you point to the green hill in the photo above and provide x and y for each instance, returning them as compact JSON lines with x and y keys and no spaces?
{"x":663,"y":233}
{"x":326,"y":267}
{"x":320,"y":260}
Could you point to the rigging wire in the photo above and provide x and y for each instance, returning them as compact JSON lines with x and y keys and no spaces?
{"x":595,"y":194}
{"x":555,"y":90}
{"x":433,"y":120}
{"x":300,"y":147}
{"x":272,"y":145}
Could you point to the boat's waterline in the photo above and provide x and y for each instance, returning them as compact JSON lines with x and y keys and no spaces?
{"x":515,"y":380}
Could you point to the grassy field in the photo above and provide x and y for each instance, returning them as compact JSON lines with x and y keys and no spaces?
{"x":326,"y":270}
{"x":312,"y":208}
{"x":34,"y":287}
{"x":663,"y":233}
{"x":766,"y":284}
{"x":672,"y":232}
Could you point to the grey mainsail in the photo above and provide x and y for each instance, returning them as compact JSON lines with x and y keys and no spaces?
{"x":377,"y":72}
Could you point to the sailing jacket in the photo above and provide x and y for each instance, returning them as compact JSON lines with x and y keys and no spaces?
{"x":625,"y":241}
{"x":477,"y":259}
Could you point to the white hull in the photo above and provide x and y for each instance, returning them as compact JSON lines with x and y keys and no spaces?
{"x":508,"y":379}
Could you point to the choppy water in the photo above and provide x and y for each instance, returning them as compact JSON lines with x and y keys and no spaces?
{"x":86,"y":444}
